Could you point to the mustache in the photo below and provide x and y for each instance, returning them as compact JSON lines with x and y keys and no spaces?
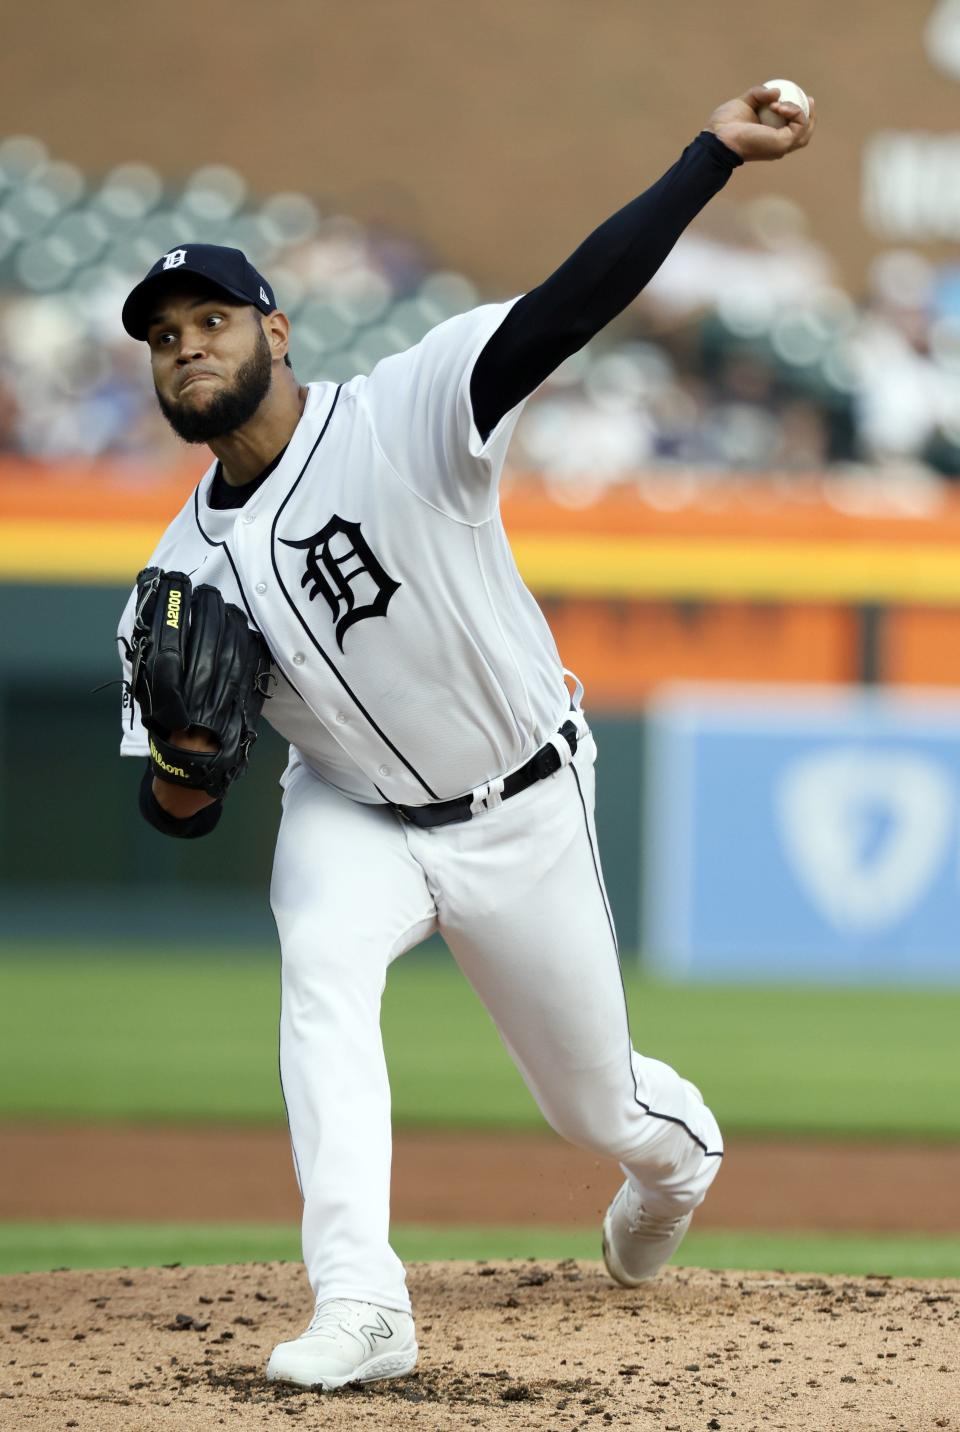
{"x":192,"y":373}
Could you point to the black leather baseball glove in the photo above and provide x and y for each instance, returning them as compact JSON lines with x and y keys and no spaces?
{"x":196,"y":665}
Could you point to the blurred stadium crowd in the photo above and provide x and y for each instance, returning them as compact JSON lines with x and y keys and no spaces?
{"x":743,"y":354}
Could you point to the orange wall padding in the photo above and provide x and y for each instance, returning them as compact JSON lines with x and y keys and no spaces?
{"x":921,"y":646}
{"x":620,"y":648}
{"x":620,"y":651}
{"x":96,"y":491}
{"x":745,"y":508}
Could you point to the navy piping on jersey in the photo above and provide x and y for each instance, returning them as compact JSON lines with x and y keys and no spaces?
{"x":211,"y":543}
{"x":299,"y":615}
{"x":236,"y":575}
{"x":667,"y":1118}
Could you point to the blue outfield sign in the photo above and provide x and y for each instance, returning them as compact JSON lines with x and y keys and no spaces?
{"x":802,"y":834}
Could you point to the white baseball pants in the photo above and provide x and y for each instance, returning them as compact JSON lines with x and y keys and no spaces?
{"x":518,"y":896}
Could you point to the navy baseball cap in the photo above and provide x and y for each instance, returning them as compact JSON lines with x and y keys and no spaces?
{"x":227,"y":269}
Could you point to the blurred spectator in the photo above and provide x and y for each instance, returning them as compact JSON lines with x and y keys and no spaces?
{"x":742,"y":354}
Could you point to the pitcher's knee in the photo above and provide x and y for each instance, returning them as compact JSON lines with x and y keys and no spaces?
{"x":674,"y":1172}
{"x":588,"y":1129}
{"x":667,"y":1159}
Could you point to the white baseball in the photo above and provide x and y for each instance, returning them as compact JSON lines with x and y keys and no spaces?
{"x":790,"y":94}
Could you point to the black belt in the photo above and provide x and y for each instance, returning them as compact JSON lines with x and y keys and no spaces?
{"x":543,"y":764}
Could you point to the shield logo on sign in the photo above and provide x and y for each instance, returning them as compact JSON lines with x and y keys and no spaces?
{"x":865,"y":831}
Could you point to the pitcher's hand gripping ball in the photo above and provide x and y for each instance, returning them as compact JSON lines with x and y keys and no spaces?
{"x":790,"y":93}
{"x":196,"y":665}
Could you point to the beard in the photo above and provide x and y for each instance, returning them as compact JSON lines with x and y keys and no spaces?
{"x":231,"y":407}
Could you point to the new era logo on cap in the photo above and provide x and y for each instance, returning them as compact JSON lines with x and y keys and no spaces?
{"x":226,"y":269}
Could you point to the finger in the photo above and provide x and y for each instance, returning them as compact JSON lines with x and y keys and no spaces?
{"x":811,"y":116}
{"x":758,"y":96}
{"x":170,"y":628}
{"x":802,"y":133}
{"x":796,"y":123}
{"x":782,"y":140}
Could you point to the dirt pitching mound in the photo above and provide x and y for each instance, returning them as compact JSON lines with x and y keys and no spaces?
{"x":507,"y":1344}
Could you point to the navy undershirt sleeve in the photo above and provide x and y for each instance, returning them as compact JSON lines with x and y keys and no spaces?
{"x":188,"y":828}
{"x":595,"y":283}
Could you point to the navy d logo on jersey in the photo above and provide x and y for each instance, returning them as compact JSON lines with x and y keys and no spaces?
{"x":340,"y":568}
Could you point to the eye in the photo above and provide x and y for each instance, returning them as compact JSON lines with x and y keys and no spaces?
{"x":213,"y":320}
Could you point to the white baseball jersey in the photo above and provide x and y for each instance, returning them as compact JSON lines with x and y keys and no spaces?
{"x":413,"y":663}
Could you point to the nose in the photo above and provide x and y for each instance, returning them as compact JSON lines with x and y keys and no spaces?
{"x":191,"y":347}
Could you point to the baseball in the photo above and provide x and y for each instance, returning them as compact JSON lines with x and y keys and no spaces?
{"x":790,"y":93}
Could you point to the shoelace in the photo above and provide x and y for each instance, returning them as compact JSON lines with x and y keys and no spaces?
{"x":327,"y":1318}
{"x":643,"y":1224}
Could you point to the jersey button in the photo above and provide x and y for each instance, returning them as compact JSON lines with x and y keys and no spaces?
{"x":248,"y":517}
{"x":341,"y":718}
{"x":384,"y":770}
{"x":261,"y":587}
{"x":298,"y":658}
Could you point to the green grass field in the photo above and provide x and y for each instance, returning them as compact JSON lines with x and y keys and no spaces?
{"x":40,"y":1246}
{"x":34,"y":1247}
{"x":184,"y":1035}
{"x":181,"y":1035}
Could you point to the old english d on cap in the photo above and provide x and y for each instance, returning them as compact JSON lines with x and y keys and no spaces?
{"x":227,"y":269}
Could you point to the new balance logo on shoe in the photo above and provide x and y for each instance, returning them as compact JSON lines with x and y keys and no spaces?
{"x":382,"y":1331}
{"x":347,"y":1341}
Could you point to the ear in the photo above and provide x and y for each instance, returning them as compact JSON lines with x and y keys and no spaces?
{"x":276,"y":330}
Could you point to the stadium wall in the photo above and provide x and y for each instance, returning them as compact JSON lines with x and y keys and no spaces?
{"x":74,"y":852}
{"x":501,"y":133}
{"x":730,"y":588}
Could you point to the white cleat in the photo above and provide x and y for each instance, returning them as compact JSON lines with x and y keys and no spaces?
{"x":347,"y":1341}
{"x":635,"y":1243}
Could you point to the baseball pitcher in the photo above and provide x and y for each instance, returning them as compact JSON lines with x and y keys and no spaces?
{"x":343,"y":568}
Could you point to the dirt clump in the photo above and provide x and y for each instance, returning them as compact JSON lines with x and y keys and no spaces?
{"x":541,"y":1345}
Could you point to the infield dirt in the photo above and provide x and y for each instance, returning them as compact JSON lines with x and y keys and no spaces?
{"x":503,"y":1345}
{"x":442,"y":1178}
